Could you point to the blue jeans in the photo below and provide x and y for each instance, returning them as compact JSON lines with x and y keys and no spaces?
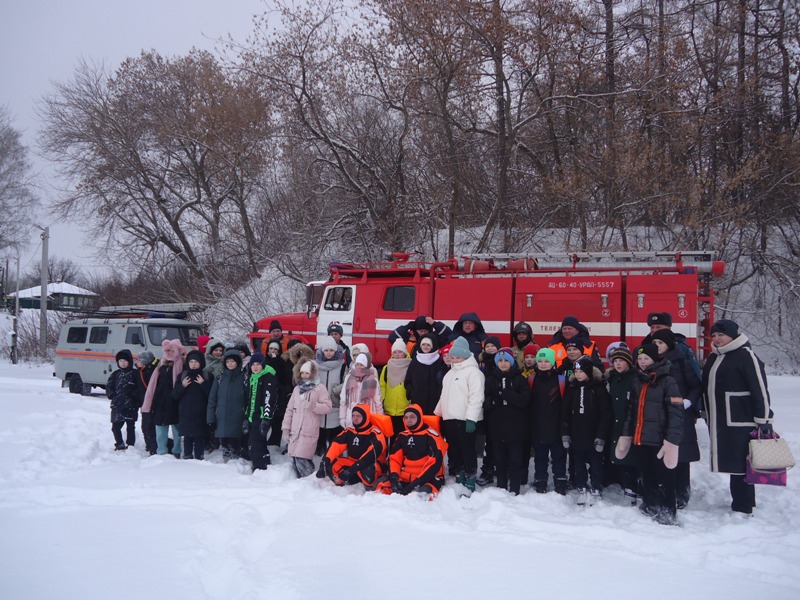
{"x":162,"y":435}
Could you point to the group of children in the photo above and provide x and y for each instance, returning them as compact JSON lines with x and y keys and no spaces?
{"x":440,"y":395}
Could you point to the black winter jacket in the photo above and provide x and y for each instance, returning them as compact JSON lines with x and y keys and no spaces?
{"x":507,"y":400}
{"x":691,"y":388}
{"x":423,"y":383}
{"x":620,"y":386}
{"x":192,"y":403}
{"x":121,"y":389}
{"x":546,"y":400}
{"x":164,"y":408}
{"x":653,"y":417}
{"x":586,"y":411}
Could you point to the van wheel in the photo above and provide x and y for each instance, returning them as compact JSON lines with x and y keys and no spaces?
{"x":75,"y":384}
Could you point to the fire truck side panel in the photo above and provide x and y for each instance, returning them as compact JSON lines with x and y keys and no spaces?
{"x":543,"y":300}
{"x":490,"y":296}
{"x":673,"y":293}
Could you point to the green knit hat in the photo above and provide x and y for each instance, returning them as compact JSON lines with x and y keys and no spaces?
{"x":546,"y":354}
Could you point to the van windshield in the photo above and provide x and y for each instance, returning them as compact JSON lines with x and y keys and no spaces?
{"x":186,"y":335}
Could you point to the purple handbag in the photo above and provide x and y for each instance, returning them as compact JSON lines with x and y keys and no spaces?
{"x":764,"y":477}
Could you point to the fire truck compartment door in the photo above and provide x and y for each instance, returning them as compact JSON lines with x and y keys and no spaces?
{"x":596,"y":301}
{"x":338,"y":306}
{"x":672,"y":293}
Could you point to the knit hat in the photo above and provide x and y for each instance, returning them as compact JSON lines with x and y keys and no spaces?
{"x":362,"y":359}
{"x":335,"y":328}
{"x":275,"y":345}
{"x":622,"y":353}
{"x":421,"y":323}
{"x":659,"y":319}
{"x":172,"y":350}
{"x":461,"y":349}
{"x":258,"y":358}
{"x":571,"y":322}
{"x":275,"y":324}
{"x":493,"y":340}
{"x":146,"y":357}
{"x":124,"y":354}
{"x":613,"y":346}
{"x":585,"y":364}
{"x":546,"y":354}
{"x":360,"y":348}
{"x":307,"y":367}
{"x":504,"y":354}
{"x":650,"y":350}
{"x":726,"y":326}
{"x":575,"y":343}
{"x":399,"y":346}
{"x":328,"y":343}
{"x":666,"y":336}
{"x":445,"y":350}
{"x":530,"y":350}
{"x":198,"y":356}
{"x":432,"y":339}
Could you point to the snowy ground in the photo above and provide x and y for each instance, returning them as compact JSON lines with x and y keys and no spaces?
{"x":82,"y":521}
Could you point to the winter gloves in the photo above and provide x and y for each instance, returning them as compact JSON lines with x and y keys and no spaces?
{"x":623,"y":446}
{"x":566,"y":440}
{"x":669,"y":453}
{"x":471,"y":425}
{"x":599,"y":444}
{"x":765,"y":430}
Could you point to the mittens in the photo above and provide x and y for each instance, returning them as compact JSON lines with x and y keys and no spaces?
{"x":669,"y":453}
{"x":623,"y":446}
{"x":566,"y":440}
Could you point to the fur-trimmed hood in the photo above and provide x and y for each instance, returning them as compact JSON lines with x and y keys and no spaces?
{"x":299,"y":364}
{"x":299,"y":351}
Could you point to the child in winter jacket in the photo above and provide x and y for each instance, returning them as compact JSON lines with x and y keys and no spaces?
{"x":507,"y":397}
{"x":423,"y":382}
{"x":121,"y":389}
{"x":360,"y":387}
{"x":619,"y":381}
{"x":461,"y":407}
{"x":331,"y":368}
{"x":226,"y":405}
{"x":547,"y":397}
{"x":158,"y":398}
{"x":145,"y":365}
{"x":655,"y":425}
{"x":586,"y":425}
{"x":300,"y":425}
{"x":191,"y":392}
{"x":261,"y":393}
{"x":393,"y":389}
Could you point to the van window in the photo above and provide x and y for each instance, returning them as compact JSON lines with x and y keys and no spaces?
{"x":186,"y":335}
{"x":400,"y":298}
{"x":77,"y":335}
{"x":99,"y":335}
{"x":133,"y":336}
{"x":339,"y":298}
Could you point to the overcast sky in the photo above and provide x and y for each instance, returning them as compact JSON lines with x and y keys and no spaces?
{"x":42,"y":41}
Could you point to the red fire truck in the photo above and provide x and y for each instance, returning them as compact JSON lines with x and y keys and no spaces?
{"x":609,"y":292}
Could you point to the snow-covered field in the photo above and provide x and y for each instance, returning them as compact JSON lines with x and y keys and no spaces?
{"x":82,"y":521}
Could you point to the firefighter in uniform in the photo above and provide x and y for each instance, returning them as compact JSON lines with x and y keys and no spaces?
{"x":365,"y":445}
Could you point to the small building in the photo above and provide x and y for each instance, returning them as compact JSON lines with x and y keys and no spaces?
{"x":60,"y":296}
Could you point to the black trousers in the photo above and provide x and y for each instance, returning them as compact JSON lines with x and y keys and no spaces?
{"x":509,"y":463}
{"x":461,"y":452}
{"x":743,"y":495}
{"x":595,"y":472}
{"x":130,"y":425}
{"x":193,"y":446}
{"x":658,"y":482}
{"x":257,"y":444}
{"x":683,"y":488}
{"x":149,"y":433}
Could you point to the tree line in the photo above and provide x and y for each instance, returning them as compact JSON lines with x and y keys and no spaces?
{"x":342,"y":132}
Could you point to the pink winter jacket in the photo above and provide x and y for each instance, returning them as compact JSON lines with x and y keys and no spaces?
{"x":302,"y":419}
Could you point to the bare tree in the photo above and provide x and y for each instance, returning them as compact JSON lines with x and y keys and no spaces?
{"x":18,"y":200}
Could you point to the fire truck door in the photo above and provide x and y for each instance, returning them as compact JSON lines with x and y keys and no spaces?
{"x":672,"y":293}
{"x":338,"y":306}
{"x":596,"y":301}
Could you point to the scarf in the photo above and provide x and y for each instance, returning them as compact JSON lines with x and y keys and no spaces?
{"x":396,"y":370}
{"x":361,"y":388}
{"x":177,"y":368}
{"x":254,"y":379}
{"x":429,"y":358}
{"x":306,"y":385}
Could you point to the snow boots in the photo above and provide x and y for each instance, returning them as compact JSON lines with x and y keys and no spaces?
{"x":561,"y":487}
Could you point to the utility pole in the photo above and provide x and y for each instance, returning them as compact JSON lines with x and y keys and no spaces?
{"x":14,"y":346}
{"x":43,"y":300}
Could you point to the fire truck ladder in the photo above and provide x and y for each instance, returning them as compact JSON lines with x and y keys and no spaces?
{"x":703,"y":261}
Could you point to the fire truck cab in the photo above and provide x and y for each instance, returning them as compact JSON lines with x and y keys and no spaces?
{"x":611,"y":293}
